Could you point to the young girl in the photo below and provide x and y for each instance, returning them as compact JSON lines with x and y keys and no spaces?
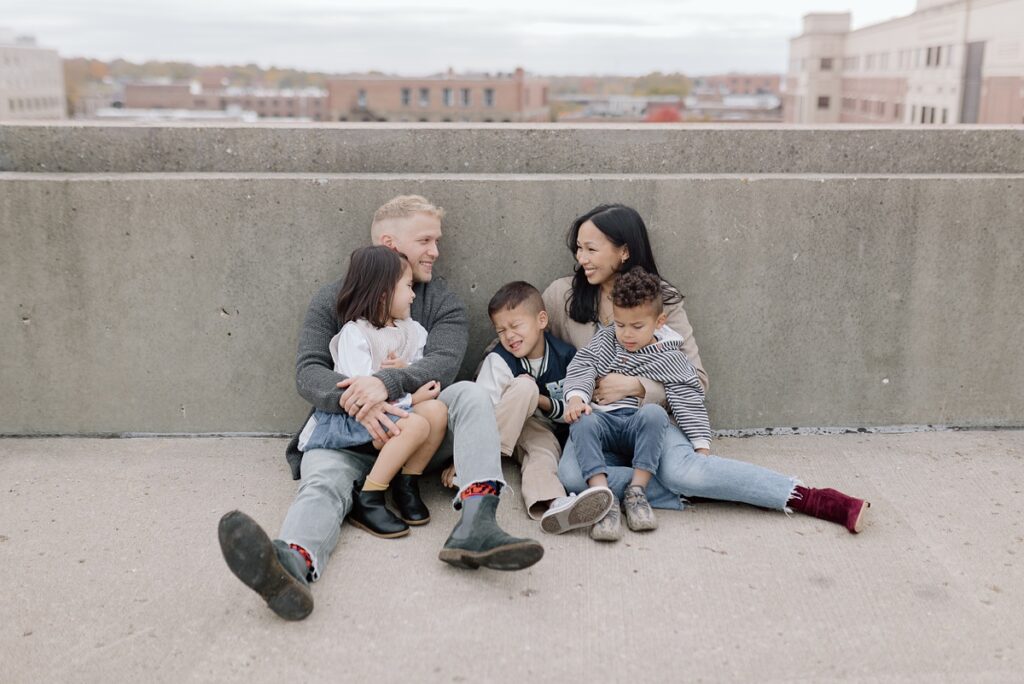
{"x":374,"y":307}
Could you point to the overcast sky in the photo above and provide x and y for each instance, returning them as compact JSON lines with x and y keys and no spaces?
{"x":544,"y":37}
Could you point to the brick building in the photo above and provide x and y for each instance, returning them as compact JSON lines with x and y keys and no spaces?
{"x":306,"y":103}
{"x":444,"y":97}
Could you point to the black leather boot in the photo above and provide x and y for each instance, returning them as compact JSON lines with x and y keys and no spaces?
{"x":405,"y":493}
{"x":369,"y":512}
{"x":271,"y":569}
{"x":478,"y":541}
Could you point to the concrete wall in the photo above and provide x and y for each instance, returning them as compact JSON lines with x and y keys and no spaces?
{"x":170,"y":302}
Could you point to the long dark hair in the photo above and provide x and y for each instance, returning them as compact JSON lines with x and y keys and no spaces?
{"x":623,"y":226}
{"x":370,"y":284}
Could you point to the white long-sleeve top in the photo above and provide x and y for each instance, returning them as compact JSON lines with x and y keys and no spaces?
{"x":359,"y":348}
{"x":663,"y":361}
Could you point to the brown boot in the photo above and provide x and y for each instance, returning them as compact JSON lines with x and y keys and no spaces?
{"x":831,"y":505}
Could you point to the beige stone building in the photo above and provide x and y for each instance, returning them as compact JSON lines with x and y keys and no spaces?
{"x":31,"y":80}
{"x":946,"y":63}
{"x":445,"y":97}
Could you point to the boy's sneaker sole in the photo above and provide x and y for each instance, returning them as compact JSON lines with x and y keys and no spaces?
{"x":252,"y":558}
{"x":584,"y":510}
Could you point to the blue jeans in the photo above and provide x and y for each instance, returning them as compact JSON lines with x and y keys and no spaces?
{"x":683,"y":472}
{"x":634,"y":434}
{"x":324,"y":497}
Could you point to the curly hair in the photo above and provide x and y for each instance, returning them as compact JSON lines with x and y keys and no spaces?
{"x":636,"y":287}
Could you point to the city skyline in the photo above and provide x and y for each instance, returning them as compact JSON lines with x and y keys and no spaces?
{"x":394,"y":37}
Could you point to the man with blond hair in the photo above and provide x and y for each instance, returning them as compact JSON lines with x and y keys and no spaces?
{"x":280,"y":570}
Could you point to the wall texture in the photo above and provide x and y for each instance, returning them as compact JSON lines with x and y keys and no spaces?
{"x":153,"y":281}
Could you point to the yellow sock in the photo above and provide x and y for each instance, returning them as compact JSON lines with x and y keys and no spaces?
{"x":371,"y":486}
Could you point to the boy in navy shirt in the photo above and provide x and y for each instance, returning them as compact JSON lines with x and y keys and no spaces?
{"x":523,"y":377}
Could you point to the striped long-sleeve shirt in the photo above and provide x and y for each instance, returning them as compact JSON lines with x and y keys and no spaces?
{"x":662,"y":361}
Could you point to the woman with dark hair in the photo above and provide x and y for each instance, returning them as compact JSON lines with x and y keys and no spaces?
{"x":606,"y":241}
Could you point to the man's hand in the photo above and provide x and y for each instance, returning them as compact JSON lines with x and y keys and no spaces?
{"x":392,"y":361}
{"x":360,"y":394}
{"x":615,"y":387}
{"x":377,"y":423}
{"x":576,"y":408}
{"x":429,"y":391}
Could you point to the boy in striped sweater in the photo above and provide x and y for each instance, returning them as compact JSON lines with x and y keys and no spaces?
{"x":640,"y":345}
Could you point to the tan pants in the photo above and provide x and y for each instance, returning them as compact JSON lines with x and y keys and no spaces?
{"x":526,"y":438}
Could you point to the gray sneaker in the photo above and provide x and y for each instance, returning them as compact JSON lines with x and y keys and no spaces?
{"x":575,"y":511}
{"x":639,"y":515}
{"x":608,"y":528}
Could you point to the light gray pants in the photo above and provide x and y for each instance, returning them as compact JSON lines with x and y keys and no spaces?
{"x":328,"y":475}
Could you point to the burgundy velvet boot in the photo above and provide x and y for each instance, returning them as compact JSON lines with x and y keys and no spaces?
{"x":831,"y":505}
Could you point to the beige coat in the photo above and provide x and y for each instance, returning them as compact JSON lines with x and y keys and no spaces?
{"x":579,"y":334}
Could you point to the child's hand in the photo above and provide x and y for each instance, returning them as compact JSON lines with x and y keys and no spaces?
{"x":392,"y":361}
{"x":576,"y":408}
{"x":427,"y":392}
{"x":448,"y":476}
{"x":544,"y":403}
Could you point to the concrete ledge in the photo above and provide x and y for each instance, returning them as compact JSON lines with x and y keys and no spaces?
{"x":506,"y":148}
{"x":170,"y":303}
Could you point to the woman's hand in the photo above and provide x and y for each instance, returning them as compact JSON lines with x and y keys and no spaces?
{"x":616,"y":387}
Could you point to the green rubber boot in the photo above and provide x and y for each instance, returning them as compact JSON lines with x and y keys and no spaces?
{"x":477,"y":541}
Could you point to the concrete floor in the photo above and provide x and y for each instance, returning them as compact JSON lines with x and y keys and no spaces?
{"x":112,"y":573}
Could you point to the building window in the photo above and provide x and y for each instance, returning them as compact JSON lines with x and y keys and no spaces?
{"x":448,"y":96}
{"x":826,"y":64}
{"x":897,"y":113}
{"x":488,"y":97}
{"x":823,"y":102}
{"x":406,"y":97}
{"x":913,"y":114}
{"x":945,"y":115}
{"x":424,"y":97}
{"x":464,"y":97}
{"x":361,"y":99}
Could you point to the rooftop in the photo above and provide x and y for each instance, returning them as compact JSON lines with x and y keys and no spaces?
{"x":113,"y":573}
